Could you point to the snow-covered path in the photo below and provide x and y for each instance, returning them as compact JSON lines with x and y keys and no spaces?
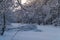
{"x":48,"y":33}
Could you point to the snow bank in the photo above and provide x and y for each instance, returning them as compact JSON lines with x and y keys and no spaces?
{"x":49,"y":33}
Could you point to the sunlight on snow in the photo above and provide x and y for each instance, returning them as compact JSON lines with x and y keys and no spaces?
{"x":16,"y":6}
{"x":23,"y":1}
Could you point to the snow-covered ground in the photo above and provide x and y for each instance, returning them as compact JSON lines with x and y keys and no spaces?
{"x":48,"y":33}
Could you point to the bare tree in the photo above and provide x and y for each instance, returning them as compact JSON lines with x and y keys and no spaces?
{"x":3,"y":13}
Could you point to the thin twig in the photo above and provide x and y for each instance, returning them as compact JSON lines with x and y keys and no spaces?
{"x":14,"y":35}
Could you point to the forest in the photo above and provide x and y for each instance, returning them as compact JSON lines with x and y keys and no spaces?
{"x":41,"y":12}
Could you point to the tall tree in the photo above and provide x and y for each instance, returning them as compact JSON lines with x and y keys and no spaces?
{"x":3,"y":13}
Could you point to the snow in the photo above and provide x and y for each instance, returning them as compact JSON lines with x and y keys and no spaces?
{"x":48,"y":33}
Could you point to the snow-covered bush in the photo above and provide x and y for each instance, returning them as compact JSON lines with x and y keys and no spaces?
{"x":56,"y":22}
{"x":28,"y":27}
